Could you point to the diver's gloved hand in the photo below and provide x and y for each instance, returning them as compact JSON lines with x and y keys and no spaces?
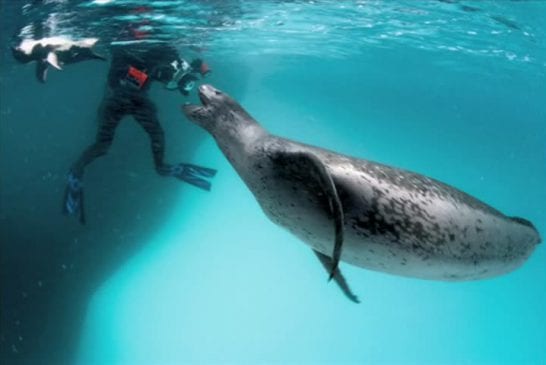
{"x":73,"y":197}
{"x":192,"y":174}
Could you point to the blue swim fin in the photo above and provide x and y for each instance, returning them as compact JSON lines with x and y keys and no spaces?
{"x":73,"y":197}
{"x":193,"y":174}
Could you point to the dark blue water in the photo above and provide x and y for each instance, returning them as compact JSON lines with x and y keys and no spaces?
{"x":166,"y":274}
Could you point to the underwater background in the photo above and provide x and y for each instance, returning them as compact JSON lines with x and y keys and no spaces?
{"x":164,"y":273}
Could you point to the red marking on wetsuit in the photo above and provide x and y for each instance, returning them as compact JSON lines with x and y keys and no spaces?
{"x":141,"y":9}
{"x":139,"y":34}
{"x":139,"y":77}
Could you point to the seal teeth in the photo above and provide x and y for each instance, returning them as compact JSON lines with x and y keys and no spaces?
{"x":203,"y":99}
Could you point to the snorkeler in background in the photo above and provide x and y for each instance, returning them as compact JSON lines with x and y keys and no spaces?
{"x":54,"y":51}
{"x":132,"y":70}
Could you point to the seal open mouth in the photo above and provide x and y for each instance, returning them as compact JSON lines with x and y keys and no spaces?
{"x":195,"y":112}
{"x":192,"y":110}
{"x":204,"y":100}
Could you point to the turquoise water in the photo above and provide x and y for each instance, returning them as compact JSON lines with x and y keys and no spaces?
{"x":164,"y":273}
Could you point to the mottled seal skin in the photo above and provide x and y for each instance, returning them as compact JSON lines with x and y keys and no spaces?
{"x":395,"y":221}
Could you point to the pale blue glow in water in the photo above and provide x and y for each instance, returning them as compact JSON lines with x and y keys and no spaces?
{"x":454,"y":94}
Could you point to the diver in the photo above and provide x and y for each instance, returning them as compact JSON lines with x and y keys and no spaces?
{"x":132,"y":70}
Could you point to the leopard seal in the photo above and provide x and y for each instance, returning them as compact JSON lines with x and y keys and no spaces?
{"x":361,"y":212}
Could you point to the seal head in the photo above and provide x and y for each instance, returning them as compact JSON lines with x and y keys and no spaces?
{"x":218,"y":109}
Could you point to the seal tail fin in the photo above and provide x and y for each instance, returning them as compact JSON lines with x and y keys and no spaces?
{"x":523,"y":221}
{"x":529,"y":224}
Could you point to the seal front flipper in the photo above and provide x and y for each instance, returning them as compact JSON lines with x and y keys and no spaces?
{"x":53,"y":60}
{"x":309,"y":167}
{"x":338,"y":276}
{"x":41,"y":70}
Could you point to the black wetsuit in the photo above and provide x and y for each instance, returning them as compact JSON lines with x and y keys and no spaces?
{"x":128,"y":95}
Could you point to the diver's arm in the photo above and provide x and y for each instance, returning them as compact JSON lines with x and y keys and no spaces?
{"x":162,"y":54}
{"x":174,"y":71}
